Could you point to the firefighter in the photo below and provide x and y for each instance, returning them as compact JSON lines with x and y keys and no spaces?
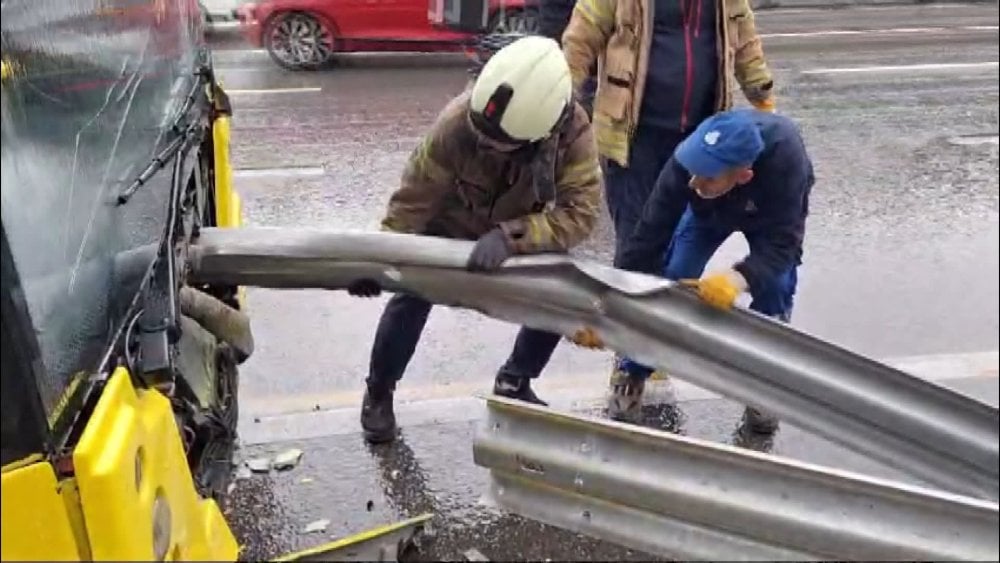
{"x":510,"y":163}
{"x":740,"y":171}
{"x":667,"y":65}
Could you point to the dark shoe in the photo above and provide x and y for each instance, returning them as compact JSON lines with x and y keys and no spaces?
{"x":377,"y":418}
{"x":625,"y":397}
{"x":516,"y":388}
{"x":758,"y":421}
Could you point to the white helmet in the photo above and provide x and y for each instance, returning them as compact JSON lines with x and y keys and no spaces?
{"x":523,"y":91}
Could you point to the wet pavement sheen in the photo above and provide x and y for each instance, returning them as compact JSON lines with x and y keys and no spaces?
{"x":901,"y":259}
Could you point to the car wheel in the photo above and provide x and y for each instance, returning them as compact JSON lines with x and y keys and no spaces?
{"x":517,"y":20}
{"x":299,"y":41}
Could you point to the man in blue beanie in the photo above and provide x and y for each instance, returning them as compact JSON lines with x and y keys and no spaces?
{"x":739,"y":171}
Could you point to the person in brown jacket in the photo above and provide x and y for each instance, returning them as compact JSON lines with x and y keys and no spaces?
{"x":511,"y":163}
{"x":664,"y":67}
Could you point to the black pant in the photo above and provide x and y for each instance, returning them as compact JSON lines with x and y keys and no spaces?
{"x":627,"y":189}
{"x":399,"y":331}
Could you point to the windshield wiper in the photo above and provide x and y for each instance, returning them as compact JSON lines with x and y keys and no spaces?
{"x":185,"y":131}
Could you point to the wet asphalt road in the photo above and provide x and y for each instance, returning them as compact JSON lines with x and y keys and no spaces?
{"x":901,"y":260}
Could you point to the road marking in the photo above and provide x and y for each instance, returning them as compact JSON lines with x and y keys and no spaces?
{"x":982,"y":27}
{"x":223,"y":25}
{"x":944,"y":367}
{"x":836,"y":32}
{"x":903,"y":68}
{"x":973,"y":140}
{"x":270,"y":68}
{"x":279,"y":172}
{"x":303,"y":90}
{"x":777,"y":11}
{"x":239,"y":50}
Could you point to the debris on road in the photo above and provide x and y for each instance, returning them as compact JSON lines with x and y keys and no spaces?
{"x":243,"y":472}
{"x":259,"y":464}
{"x":474,"y":555}
{"x":287,"y":459}
{"x":317,"y":526}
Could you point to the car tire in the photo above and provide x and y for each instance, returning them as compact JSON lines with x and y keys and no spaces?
{"x":522,"y":21}
{"x":299,"y":41}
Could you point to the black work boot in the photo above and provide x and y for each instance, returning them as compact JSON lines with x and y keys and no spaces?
{"x":625,"y":397}
{"x":516,"y":388}
{"x":377,"y":418}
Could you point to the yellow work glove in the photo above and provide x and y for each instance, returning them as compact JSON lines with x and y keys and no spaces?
{"x":587,"y":338}
{"x":720,"y":289}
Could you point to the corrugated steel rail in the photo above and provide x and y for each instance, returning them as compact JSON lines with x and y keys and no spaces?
{"x":689,"y":499}
{"x":940,"y":436}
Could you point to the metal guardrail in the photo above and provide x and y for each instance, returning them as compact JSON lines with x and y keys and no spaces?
{"x":685,"y":498}
{"x":940,"y":436}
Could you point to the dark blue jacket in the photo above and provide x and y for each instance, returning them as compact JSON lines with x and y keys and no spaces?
{"x":553,"y":17}
{"x":683,"y":68}
{"x":773,"y":207}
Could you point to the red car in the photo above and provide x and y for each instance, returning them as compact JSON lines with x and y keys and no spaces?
{"x":304,"y":34}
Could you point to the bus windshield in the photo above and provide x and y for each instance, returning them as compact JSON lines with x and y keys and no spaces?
{"x":89,"y":97}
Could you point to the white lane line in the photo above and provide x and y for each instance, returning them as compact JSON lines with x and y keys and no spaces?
{"x":973,"y":140}
{"x":304,"y":90}
{"x":943,"y":367}
{"x":903,"y":68}
{"x":888,"y":31}
{"x":779,"y":12}
{"x":279,"y":172}
{"x":223,"y":25}
{"x":223,"y":52}
{"x":835,"y":32}
{"x":272,"y":69}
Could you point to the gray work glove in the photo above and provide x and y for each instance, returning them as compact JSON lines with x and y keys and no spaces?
{"x":489,"y":252}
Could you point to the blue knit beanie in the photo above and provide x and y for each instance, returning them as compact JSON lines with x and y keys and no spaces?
{"x":730,"y":139}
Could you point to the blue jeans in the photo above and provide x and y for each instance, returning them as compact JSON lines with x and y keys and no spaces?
{"x":693,"y":244}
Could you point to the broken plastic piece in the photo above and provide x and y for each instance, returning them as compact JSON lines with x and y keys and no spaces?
{"x":316,"y":526}
{"x":259,"y":464}
{"x":474,"y":555}
{"x":287,"y":459}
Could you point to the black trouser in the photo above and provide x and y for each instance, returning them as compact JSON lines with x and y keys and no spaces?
{"x":399,"y":331}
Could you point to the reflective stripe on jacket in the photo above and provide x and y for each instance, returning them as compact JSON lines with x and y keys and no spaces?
{"x":618,"y":35}
{"x":455,"y":186}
